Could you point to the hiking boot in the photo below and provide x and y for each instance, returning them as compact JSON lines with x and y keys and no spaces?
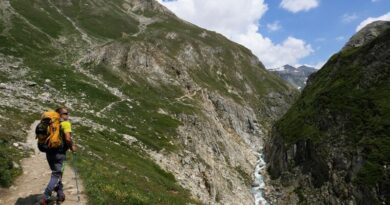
{"x":60,"y":198}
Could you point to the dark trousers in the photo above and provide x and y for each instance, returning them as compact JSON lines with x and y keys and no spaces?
{"x":56,"y":163}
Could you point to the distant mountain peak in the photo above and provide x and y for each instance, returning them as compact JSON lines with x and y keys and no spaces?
{"x":296,"y":76}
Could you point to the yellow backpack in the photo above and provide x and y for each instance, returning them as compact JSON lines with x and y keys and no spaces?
{"x":48,"y":131}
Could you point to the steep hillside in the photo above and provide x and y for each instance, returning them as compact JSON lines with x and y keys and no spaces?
{"x":297,"y":77}
{"x":165,"y":112}
{"x":333,"y":145}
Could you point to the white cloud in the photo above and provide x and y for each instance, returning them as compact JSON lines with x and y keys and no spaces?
{"x":226,"y":16}
{"x":299,"y":5}
{"x":369,"y":20}
{"x":275,"y":26}
{"x":275,"y":55}
{"x":238,"y":20}
{"x":347,"y":18}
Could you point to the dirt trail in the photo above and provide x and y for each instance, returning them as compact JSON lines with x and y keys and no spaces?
{"x":29,"y":187}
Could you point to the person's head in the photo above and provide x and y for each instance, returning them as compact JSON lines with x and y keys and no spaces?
{"x":64,"y":113}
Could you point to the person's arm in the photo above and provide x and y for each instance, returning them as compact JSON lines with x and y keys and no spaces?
{"x":69,"y":142}
{"x":67,"y":129}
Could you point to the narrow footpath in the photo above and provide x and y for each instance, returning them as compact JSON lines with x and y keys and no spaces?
{"x":28,"y":188}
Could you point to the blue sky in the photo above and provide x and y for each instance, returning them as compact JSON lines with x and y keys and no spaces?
{"x":326,"y":28}
{"x":283,"y":32}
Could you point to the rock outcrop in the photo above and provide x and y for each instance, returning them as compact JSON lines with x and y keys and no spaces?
{"x":367,"y":34}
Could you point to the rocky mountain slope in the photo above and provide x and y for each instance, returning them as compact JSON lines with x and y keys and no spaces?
{"x":295,"y":76}
{"x":164,"y":112}
{"x":333,"y":145}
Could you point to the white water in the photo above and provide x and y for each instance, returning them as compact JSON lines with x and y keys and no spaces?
{"x":259,"y":186}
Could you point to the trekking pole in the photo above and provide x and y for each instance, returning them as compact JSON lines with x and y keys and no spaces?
{"x":75,"y":176}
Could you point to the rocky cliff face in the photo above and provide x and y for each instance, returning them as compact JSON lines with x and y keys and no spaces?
{"x":332,"y":146}
{"x":297,"y":77}
{"x":164,"y":111}
{"x":367,"y":34}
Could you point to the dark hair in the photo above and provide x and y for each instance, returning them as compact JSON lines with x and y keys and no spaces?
{"x":61,"y":109}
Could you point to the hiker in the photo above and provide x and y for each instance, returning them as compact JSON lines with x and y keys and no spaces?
{"x":56,"y":157}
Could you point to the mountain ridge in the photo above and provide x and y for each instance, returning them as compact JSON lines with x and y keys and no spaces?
{"x":296,"y":76}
